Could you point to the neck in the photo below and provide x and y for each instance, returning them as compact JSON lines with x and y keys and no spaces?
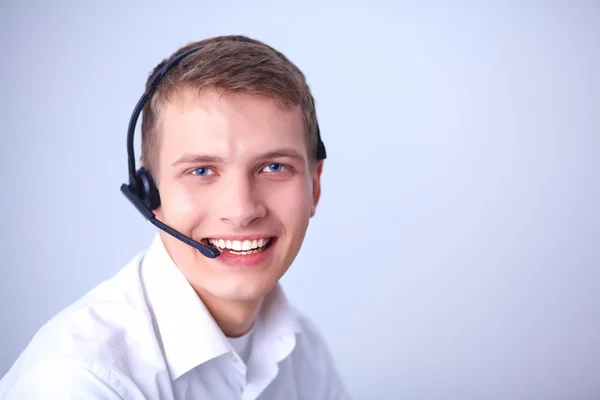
{"x":234,"y":317}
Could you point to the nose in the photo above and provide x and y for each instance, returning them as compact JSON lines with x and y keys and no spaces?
{"x":239,"y":204}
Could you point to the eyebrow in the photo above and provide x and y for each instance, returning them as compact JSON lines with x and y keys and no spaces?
{"x":209,"y":159}
{"x":282,"y":153}
{"x":198,"y":159}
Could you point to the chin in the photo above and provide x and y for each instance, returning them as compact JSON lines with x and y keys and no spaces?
{"x":241,"y":291}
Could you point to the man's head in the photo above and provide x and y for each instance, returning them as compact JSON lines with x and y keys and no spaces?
{"x":230,"y":138}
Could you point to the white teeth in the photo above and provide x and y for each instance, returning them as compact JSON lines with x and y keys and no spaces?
{"x":239,"y":246}
{"x":243,"y":253}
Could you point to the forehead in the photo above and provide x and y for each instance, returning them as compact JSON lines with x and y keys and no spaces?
{"x":232,"y":126}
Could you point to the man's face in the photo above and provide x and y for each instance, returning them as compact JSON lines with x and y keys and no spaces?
{"x":235,"y":170}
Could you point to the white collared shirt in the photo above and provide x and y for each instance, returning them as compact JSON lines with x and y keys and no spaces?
{"x":145,"y":334}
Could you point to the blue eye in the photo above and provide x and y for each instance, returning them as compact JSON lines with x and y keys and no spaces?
{"x":202,"y":171}
{"x":274,"y":167}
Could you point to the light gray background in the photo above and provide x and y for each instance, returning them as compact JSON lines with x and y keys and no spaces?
{"x":456,"y":251}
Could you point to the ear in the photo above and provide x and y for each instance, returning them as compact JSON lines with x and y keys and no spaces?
{"x":316,"y":187}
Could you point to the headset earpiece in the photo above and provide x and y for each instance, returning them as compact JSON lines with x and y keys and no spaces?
{"x":147,"y":190}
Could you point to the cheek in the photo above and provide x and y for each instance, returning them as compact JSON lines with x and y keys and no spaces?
{"x":181,"y":206}
{"x":293,"y":206}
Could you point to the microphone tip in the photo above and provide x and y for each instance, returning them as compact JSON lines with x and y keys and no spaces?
{"x":210,"y":252}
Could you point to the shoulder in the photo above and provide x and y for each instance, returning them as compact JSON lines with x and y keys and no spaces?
{"x":64,"y":379}
{"x":99,"y":325}
{"x":311,"y":338}
{"x":315,"y":359}
{"x":86,"y":339}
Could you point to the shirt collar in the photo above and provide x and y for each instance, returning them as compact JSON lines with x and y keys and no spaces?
{"x":277,"y":319}
{"x":189,"y":334}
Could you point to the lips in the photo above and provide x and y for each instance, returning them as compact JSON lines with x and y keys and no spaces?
{"x":241,"y":247}
{"x":254,"y":256}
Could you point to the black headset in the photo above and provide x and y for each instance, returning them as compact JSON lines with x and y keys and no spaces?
{"x":142,"y":190}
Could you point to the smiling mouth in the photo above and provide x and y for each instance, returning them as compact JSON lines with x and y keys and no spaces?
{"x":241,"y":247}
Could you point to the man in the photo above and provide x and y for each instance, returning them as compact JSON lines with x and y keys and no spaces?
{"x":231,"y":143}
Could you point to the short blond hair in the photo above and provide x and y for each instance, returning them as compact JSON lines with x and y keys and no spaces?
{"x":230,"y":64}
